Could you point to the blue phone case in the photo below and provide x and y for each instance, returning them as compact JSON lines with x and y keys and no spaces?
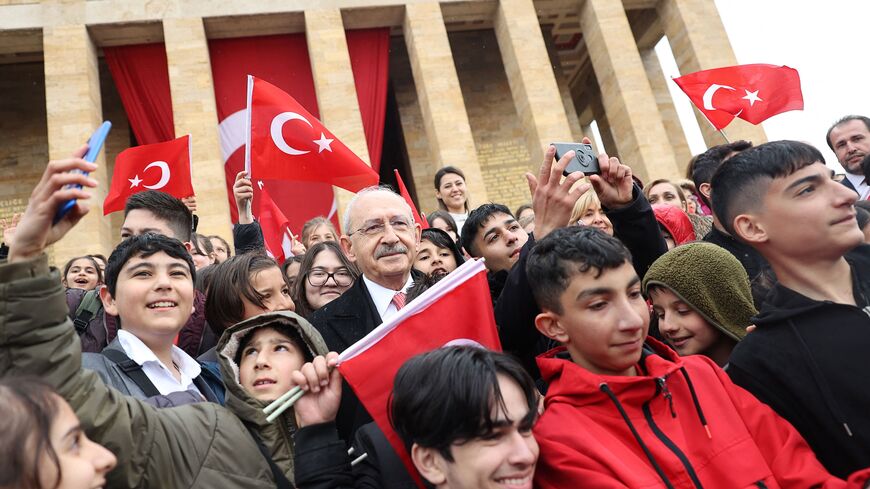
{"x":95,"y":144}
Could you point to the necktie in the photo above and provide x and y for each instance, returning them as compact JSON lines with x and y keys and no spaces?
{"x":398,"y":300}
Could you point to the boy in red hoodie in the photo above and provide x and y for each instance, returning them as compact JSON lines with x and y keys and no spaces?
{"x":623,"y":410}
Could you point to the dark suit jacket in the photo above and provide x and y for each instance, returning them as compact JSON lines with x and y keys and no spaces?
{"x":342,"y":323}
{"x":845,"y":181}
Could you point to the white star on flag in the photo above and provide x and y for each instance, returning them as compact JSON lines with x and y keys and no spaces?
{"x":323,"y":143}
{"x":752,"y":97}
{"x":135,"y":181}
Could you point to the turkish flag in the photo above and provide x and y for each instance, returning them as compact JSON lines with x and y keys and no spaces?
{"x":272,"y":221}
{"x":407,"y":196}
{"x":455,"y":311}
{"x":751,"y":92}
{"x":161,"y":166}
{"x":285,"y":142}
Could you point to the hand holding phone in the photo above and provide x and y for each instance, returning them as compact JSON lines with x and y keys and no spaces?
{"x":95,"y":144}
{"x":584,"y":159}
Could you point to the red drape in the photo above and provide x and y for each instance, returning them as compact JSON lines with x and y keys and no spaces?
{"x":142,"y":79}
{"x":369,"y":51}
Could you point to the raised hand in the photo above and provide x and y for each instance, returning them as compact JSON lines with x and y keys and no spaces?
{"x":36,"y":229}
{"x":552,"y":198}
{"x":190,"y":203}
{"x":322,"y":383}
{"x":614,"y":185}
{"x":243,"y":192}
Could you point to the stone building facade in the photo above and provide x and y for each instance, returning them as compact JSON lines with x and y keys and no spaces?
{"x":480,"y":84}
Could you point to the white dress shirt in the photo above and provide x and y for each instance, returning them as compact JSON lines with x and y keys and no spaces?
{"x":383,"y":297}
{"x":860,"y":184}
{"x":460,"y":221}
{"x":157,"y":373}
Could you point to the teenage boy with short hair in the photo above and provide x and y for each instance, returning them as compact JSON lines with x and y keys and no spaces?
{"x":624,"y":410}
{"x":149,"y":286}
{"x":464,"y":413}
{"x":808,"y":356}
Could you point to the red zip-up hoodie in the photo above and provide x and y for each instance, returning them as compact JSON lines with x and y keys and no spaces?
{"x":680,"y":423}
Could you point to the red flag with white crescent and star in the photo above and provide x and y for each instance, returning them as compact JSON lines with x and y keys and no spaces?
{"x":752,"y":92}
{"x":285,"y":142}
{"x":161,"y":166}
{"x":273,"y":223}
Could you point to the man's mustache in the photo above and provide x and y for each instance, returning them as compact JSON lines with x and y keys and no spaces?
{"x":393,"y":249}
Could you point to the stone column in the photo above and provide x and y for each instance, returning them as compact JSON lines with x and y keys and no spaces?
{"x":659,"y":85}
{"x":74,"y":111}
{"x":195,"y":113}
{"x":337,"y":101}
{"x":634,"y":118}
{"x":699,"y":42}
{"x":530,"y":74}
{"x":439,"y":95}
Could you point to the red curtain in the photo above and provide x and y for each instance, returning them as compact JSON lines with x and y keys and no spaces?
{"x":283,"y":61}
{"x":142,"y":79}
{"x":369,"y":51}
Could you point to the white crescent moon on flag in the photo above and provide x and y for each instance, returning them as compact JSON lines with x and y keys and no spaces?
{"x":708,"y":95}
{"x":278,"y":138}
{"x":164,"y":174}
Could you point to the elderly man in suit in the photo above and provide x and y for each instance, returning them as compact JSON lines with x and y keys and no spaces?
{"x":380,"y":235}
{"x":849,"y":138}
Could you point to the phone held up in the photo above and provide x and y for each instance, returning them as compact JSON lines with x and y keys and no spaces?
{"x":584,"y":159}
{"x":95,"y":144}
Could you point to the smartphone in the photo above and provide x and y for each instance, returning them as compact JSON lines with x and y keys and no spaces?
{"x":584,"y":159}
{"x":95,"y":144}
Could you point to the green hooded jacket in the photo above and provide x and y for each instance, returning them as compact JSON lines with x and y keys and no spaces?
{"x":202,"y":445}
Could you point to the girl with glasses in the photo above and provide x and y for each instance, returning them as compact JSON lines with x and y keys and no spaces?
{"x":324,"y":275}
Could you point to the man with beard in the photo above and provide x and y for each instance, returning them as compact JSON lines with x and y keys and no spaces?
{"x":381,"y":237}
{"x":849,"y":138}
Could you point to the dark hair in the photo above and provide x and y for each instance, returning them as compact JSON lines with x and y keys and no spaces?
{"x":447,"y":396}
{"x":420,"y":285}
{"x":290,"y":260}
{"x":166,"y":208}
{"x":303,"y":308}
{"x":863,"y":217}
{"x":475,"y":222}
{"x":843,"y":120}
{"x":289,"y":331}
{"x":741,"y":183}
{"x":29,"y":407}
{"x":706,"y":163}
{"x":224,"y":305}
{"x":202,"y":244}
{"x":446,"y":170}
{"x":441,"y":239}
{"x":223,"y":241}
{"x":85,"y":257}
{"x":521,"y":208}
{"x":566,"y":252}
{"x":204,"y":278}
{"x":144,"y":245}
{"x":446,"y":217}
{"x":312,"y":224}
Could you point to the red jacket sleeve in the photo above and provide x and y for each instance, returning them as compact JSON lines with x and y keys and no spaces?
{"x":790,"y":458}
{"x":564,"y":467}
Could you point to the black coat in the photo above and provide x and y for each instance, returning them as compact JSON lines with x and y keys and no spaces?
{"x":342,"y":323}
{"x":810,"y":362}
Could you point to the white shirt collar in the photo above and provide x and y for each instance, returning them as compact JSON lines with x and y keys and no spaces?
{"x":158,"y":373}
{"x":860,"y":184}
{"x":383,"y":297}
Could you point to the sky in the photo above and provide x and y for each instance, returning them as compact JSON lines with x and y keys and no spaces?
{"x":824,"y":41}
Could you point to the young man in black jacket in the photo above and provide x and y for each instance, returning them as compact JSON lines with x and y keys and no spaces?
{"x":808,"y":358}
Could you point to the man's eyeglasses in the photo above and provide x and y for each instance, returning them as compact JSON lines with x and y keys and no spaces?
{"x":373,"y":228}
{"x":319,"y":277}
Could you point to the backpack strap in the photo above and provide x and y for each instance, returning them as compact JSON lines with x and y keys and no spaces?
{"x":132,"y":370}
{"x":281,"y":481}
{"x":88,"y":308}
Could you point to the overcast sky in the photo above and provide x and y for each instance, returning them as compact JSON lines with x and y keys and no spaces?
{"x":824,"y":41}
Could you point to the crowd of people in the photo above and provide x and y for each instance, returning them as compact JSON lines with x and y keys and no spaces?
{"x":704,"y":332}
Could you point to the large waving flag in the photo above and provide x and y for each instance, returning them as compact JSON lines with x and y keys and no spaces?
{"x":161,"y":166}
{"x":455,"y":311}
{"x":273,"y":223}
{"x":752,"y":92}
{"x":403,"y":191}
{"x":285,"y":142}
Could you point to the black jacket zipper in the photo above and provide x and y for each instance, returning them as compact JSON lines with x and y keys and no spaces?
{"x":661,"y":386}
